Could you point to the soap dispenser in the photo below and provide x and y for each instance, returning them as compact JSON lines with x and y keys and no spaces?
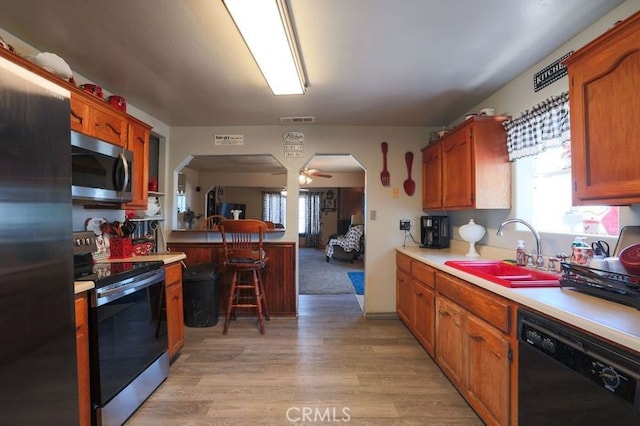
{"x":521,"y":253}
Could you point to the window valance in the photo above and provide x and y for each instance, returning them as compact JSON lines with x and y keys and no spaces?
{"x":544,"y":126}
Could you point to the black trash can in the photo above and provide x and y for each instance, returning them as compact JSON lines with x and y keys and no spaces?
{"x":200,"y":294}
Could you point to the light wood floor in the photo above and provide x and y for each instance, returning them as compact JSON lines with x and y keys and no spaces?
{"x":329,"y":366}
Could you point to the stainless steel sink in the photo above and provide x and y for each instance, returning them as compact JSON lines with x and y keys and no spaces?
{"x":506,"y":274}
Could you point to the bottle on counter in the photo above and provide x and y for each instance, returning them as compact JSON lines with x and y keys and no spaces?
{"x":521,"y":253}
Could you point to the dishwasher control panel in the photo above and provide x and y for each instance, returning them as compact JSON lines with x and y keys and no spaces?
{"x":609,"y":367}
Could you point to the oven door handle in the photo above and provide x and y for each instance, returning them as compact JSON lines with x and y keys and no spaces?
{"x":106,"y":295}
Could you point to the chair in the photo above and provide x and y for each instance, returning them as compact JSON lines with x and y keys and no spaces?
{"x":245,"y":258}
{"x":270,"y":225}
{"x":348,"y":246}
{"x":211,"y":222}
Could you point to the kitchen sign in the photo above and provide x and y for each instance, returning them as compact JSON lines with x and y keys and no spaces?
{"x":293,"y":147}
{"x":293,"y":137}
{"x":229,"y":139}
{"x":550,"y":74}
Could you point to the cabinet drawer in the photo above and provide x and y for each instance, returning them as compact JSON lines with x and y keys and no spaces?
{"x":403,"y":262}
{"x":423,"y":273}
{"x":173,"y":273}
{"x":487,"y":306}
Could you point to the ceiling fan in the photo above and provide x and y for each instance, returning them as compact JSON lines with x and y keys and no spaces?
{"x":307,"y":175}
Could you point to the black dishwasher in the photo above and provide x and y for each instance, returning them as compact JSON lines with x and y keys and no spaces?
{"x":566,"y":377}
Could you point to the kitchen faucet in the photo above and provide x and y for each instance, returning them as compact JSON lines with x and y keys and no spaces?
{"x":539,"y":258}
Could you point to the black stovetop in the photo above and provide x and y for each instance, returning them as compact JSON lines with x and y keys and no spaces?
{"x":103,"y":274}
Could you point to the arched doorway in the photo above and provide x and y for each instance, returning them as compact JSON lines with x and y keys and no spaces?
{"x":332,"y":192}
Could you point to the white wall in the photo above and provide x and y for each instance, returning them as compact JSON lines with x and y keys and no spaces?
{"x":361,"y":142}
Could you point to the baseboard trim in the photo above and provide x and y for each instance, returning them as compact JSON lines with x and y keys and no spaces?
{"x":381,"y":315}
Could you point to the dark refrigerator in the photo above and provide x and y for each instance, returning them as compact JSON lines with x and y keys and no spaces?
{"x":38,"y":373}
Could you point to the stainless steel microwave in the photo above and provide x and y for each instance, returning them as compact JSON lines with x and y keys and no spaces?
{"x":100,"y":171}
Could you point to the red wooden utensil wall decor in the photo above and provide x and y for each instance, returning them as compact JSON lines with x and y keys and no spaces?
{"x":385,"y":177}
{"x":409,"y":184}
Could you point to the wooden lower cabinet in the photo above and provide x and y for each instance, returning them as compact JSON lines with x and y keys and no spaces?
{"x":449,"y":337}
{"x":487,"y":370}
{"x":474,"y":338}
{"x":415,"y":299}
{"x":82,"y":354}
{"x":404,"y":298}
{"x":174,"y":304}
{"x":424,"y":315}
{"x":467,"y":330}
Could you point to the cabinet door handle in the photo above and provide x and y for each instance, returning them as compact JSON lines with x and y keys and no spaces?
{"x":476,"y":337}
{"x":454,"y":145}
{"x":114,"y":130}
{"x":444,"y":313}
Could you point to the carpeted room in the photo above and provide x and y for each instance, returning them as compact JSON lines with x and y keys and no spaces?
{"x":317,"y":276}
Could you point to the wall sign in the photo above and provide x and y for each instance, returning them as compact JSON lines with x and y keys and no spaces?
{"x":550,"y":73}
{"x":228,"y":139}
{"x":293,"y":147}
{"x":293,"y":137}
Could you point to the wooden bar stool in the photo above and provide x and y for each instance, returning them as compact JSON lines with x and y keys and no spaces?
{"x":245,"y":259}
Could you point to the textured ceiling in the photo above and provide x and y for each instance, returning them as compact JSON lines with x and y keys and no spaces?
{"x":368,"y":62}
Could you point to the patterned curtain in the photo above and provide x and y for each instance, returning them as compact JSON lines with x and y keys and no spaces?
{"x":312,"y":221}
{"x":544,"y":126}
{"x":274,"y":207}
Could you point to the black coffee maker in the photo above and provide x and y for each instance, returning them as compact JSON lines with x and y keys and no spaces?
{"x":434,"y":231}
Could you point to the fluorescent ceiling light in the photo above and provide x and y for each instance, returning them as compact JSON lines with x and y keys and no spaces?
{"x":265,"y":27}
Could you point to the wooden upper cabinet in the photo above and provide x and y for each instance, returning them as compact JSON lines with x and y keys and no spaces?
{"x":474,"y":170}
{"x":139,"y":144}
{"x":79,"y":111}
{"x":604,"y":82}
{"x":108,"y":124}
{"x":432,"y":177}
{"x":94,"y":117}
{"x":458,"y":181}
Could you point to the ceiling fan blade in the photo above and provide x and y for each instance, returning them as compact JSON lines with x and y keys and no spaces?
{"x":317,"y":174}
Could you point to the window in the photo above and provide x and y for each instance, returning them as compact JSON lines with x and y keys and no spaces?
{"x":274,"y":207}
{"x":309,"y":217}
{"x":540,"y":142}
{"x":302,"y":214}
{"x":544,"y":185}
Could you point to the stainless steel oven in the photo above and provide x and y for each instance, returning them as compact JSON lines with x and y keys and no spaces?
{"x":127,"y":332}
{"x":128,"y":341}
{"x":566,"y":377}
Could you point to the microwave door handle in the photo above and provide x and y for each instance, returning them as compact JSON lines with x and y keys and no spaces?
{"x":125,"y":166}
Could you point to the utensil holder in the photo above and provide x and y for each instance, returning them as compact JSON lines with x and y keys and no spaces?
{"x":120,"y":248}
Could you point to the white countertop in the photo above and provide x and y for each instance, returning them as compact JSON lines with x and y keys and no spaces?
{"x":82,"y":286}
{"x":167,"y":258}
{"x":612,"y":321}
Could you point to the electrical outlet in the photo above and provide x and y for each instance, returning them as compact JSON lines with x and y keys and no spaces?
{"x":405,"y":224}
